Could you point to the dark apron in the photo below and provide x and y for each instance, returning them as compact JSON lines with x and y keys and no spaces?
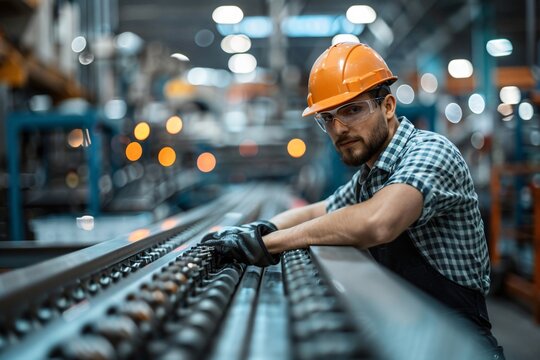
{"x":403,"y":258}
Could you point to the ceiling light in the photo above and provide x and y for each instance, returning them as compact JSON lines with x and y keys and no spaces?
{"x":242,"y":63}
{"x":405,"y":94}
{"x":228,"y":14}
{"x":340,"y":38}
{"x":429,"y":83}
{"x":510,"y":95}
{"x":361,"y":14}
{"x":235,"y":44}
{"x":525,"y":111}
{"x":78,"y":44}
{"x":128,"y":43}
{"x":477,"y":104}
{"x":460,"y":68}
{"x":499,"y":47}
{"x":179,"y":56}
{"x":453,"y":113}
{"x":505,"y":109}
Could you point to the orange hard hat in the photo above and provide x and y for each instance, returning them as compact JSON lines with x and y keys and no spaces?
{"x":342,"y":72}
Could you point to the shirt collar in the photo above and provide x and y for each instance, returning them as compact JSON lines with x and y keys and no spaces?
{"x":392,"y":152}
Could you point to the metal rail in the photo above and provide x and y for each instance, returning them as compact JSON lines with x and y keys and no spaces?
{"x":179,"y":301}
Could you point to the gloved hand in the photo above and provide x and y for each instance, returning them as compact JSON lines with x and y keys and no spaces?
{"x":243,"y":243}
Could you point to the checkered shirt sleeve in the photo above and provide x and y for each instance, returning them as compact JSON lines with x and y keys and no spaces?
{"x":345,"y":195}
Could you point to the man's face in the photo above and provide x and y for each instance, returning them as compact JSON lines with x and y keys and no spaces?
{"x":358,"y":142}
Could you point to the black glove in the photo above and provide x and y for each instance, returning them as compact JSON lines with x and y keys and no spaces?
{"x":243,"y":243}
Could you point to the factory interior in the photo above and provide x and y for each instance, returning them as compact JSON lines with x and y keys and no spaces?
{"x":129,"y":129}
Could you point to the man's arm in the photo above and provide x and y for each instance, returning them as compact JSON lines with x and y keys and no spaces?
{"x":297,"y":216}
{"x":376,"y":221}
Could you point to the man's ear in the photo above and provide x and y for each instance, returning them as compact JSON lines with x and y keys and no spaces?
{"x":389,"y":105}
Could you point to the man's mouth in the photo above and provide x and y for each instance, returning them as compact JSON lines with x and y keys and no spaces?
{"x":346,"y":143}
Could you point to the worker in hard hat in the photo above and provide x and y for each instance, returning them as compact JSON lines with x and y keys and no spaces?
{"x":411,"y":204}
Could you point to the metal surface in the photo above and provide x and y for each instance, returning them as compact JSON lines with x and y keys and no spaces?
{"x":402,"y":322}
{"x":330,"y":302}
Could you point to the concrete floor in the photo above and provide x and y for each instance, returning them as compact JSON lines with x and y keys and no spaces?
{"x":514,"y":328}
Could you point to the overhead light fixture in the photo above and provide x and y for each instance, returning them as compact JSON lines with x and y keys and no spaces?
{"x":405,"y":94}
{"x":510,"y":95}
{"x":78,"y":44}
{"x":525,"y":111}
{"x":429,"y":83}
{"x":309,"y":26}
{"x":128,"y":43}
{"x":242,"y":63}
{"x":453,"y":113}
{"x":257,"y":27}
{"x":235,"y":44}
{"x":460,"y":68}
{"x":477,"y":104}
{"x":361,"y":14}
{"x":340,"y":38}
{"x":180,"y":57}
{"x":228,"y":14}
{"x":499,"y":47}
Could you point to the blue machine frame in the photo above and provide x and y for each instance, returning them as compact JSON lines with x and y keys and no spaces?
{"x":18,"y":123}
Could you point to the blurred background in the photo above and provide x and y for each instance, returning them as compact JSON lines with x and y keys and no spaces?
{"x":115,"y":114}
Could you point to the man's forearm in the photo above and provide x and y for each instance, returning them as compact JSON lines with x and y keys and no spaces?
{"x":297,"y":216}
{"x":337,"y":228}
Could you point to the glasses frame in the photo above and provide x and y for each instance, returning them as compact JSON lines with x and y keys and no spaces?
{"x":323,"y":124}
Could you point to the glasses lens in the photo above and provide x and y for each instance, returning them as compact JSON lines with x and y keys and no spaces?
{"x":354,"y":111}
{"x":320,"y":122}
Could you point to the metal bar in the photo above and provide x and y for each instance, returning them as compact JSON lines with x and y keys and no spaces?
{"x":391,"y":309}
{"x":17,"y":287}
{"x":234,"y":336}
{"x":24,"y":253}
{"x":271,"y":319}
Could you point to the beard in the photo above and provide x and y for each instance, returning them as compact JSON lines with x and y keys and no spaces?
{"x":354,"y":156}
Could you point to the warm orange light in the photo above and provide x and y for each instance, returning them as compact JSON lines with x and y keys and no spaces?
{"x":206,"y":162}
{"x":138,"y":234}
{"x":75,"y":138}
{"x":166,"y":156}
{"x":248,"y":148}
{"x":174,"y":125}
{"x":296,"y":148}
{"x":168,"y":224}
{"x":133,"y":151}
{"x":142,"y":131}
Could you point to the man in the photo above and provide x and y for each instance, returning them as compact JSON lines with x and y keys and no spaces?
{"x":412,"y":202}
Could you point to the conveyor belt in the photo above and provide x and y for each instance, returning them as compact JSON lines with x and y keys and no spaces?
{"x":164,"y":296}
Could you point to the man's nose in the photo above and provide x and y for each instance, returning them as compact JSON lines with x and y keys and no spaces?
{"x":338,"y":127}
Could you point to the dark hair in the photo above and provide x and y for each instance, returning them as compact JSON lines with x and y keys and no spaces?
{"x":380,"y":92}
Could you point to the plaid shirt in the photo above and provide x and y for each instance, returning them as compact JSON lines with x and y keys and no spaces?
{"x":450,"y":232}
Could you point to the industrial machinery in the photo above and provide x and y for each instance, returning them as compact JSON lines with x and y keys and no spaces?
{"x":157,"y":293}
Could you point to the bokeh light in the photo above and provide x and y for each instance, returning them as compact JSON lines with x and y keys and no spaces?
{"x":75,"y":138}
{"x":142,"y":131}
{"x":248,"y":148}
{"x":206,"y":162}
{"x":133,"y":151}
{"x":167,"y":156}
{"x":296,"y":148}
{"x":174,"y":125}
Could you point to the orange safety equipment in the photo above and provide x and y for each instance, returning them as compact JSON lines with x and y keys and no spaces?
{"x":342,"y":72}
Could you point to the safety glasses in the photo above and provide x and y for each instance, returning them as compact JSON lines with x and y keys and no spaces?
{"x":353,"y":112}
